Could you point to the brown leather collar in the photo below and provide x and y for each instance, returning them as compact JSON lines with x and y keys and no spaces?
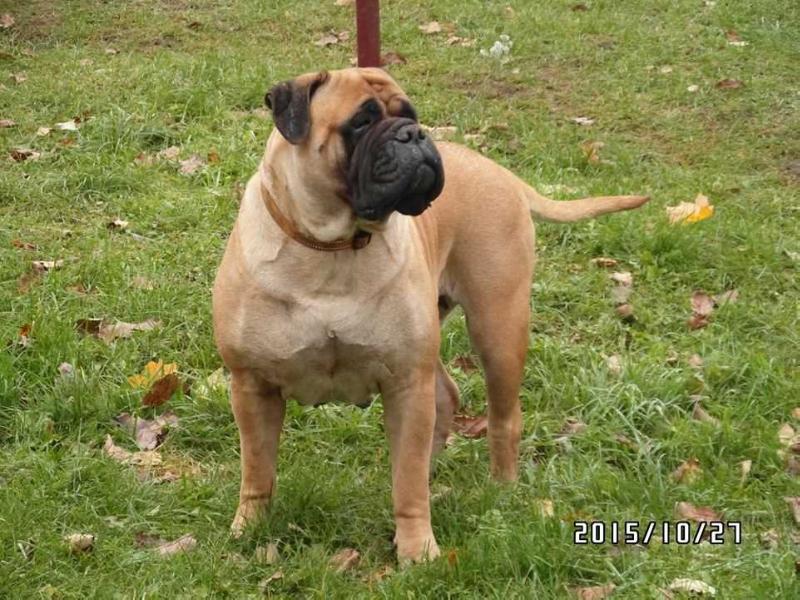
{"x":358,"y":241}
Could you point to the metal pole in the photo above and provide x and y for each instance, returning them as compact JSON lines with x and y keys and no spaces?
{"x":368,"y":33}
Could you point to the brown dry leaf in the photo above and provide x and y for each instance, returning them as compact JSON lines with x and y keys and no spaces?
{"x":144,"y":160}
{"x":787,"y":436}
{"x":595,"y":592}
{"x":614,"y":364}
{"x":6,"y":21}
{"x":702,"y":304}
{"x":546,"y":507}
{"x":42,"y":266}
{"x":7,"y":123}
{"x":745,"y":466}
{"x":456,"y":40}
{"x":24,"y":335}
{"x":118,"y":224}
{"x":213,"y":157}
{"x":393,"y":58}
{"x":142,"y":283}
{"x":267,"y":555}
{"x":729,"y":84}
{"x":345,"y":559}
{"x":471,"y":427}
{"x":770,"y":539}
{"x":380,"y":574}
{"x":796,"y":412}
{"x":80,"y":543}
{"x":23,"y":245}
{"x":699,"y":414}
{"x":431,"y":28}
{"x":148,"y":434}
{"x":182,"y":544}
{"x":697,"y":321}
{"x":111,"y":51}
{"x":624,"y":278}
{"x":21,"y":154}
{"x":696,"y":361}
{"x":572,"y":426}
{"x":692,"y":586}
{"x":332,"y":38}
{"x":465,"y":362}
{"x":794,"y":506}
{"x":585,"y":121}
{"x":690,"y":212}
{"x":441,"y":134}
{"x":147,"y":540}
{"x":162,"y":390}
{"x":171,"y":153}
{"x":108,"y":332}
{"x":604,"y":262}
{"x":625,"y":312}
{"x":344,"y":2}
{"x":264,"y":583}
{"x":591,"y":150}
{"x":71,"y":125}
{"x":191,"y":164}
{"x":20,"y":77}
{"x":698,"y":514}
{"x":687,"y":472}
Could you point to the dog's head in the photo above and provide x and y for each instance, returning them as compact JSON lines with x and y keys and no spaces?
{"x":355,"y":131}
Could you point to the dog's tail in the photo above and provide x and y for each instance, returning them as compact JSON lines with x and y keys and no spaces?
{"x":567,"y":211}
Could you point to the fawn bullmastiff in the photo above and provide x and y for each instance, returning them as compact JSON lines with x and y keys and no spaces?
{"x":355,"y":238}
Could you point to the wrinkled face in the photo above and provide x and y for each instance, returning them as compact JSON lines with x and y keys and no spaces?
{"x":355,"y":131}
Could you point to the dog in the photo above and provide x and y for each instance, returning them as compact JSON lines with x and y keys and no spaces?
{"x":354,"y":240}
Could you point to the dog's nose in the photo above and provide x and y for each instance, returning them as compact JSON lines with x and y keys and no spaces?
{"x":409,"y":133}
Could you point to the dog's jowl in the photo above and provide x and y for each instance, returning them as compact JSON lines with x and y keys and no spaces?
{"x":351,"y":231}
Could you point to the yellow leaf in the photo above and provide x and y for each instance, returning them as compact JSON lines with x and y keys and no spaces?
{"x":138,"y":381}
{"x":687,"y":212}
{"x":700,"y":214}
{"x":152,"y":371}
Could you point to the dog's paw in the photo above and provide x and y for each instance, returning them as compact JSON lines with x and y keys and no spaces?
{"x":248,"y":512}
{"x":417,"y":550}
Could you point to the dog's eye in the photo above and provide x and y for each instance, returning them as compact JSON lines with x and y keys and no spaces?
{"x":360,"y":121}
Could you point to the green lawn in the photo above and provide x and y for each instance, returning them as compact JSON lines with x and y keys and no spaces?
{"x":193,"y":75}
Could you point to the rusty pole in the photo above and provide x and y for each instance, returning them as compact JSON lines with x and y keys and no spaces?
{"x":368,"y":33}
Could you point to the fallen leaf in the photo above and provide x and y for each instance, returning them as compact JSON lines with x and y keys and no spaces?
{"x":393,"y":58}
{"x":108,"y":332}
{"x":191,"y":164}
{"x":147,"y":540}
{"x":143,"y":283}
{"x":546,"y":507}
{"x":624,"y":278}
{"x":42,"y":266}
{"x":80,"y":543}
{"x":441,"y":134}
{"x":595,"y":592}
{"x":787,"y":435}
{"x":471,"y":427}
{"x":21,"y":154}
{"x":734,"y":39}
{"x":687,"y":472}
{"x":698,"y":514}
{"x":665,"y":70}
{"x":170,"y":153}
{"x":149,"y":434}
{"x":465,"y":362}
{"x":332,"y":38}
{"x":457,"y":40}
{"x":796,"y":412}
{"x":344,"y":2}
{"x":794,"y":506}
{"x":693,"y":88}
{"x":769,"y":539}
{"x":152,"y":371}
{"x":111,"y":51}
{"x":625,"y":312}
{"x":345,"y":559}
{"x":745,"y":466}
{"x":699,"y":414}
{"x":267,"y":555}
{"x":431,"y":28}
{"x":65,"y":369}
{"x":144,"y":160}
{"x":696,"y":361}
{"x":729,"y":84}
{"x":726,"y":297}
{"x":6,"y":21}
{"x":212,"y":157}
{"x":614,"y":364}
{"x":85,"y":62}
{"x":24,"y":335}
{"x":572,"y":426}
{"x":162,"y":390}
{"x":380,"y":574}
{"x":264,"y":583}
{"x":71,"y":125}
{"x":692,"y":586}
{"x":604,"y":262}
{"x":19,"y":77}
{"x":7,"y":123}
{"x":585,"y":121}
{"x":118,"y":224}
{"x":591,"y":150}
{"x":702,"y":303}
{"x":688,"y":212}
{"x":182,"y":544}
{"x":23,"y":245}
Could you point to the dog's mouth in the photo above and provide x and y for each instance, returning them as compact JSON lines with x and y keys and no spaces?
{"x":394,"y":167}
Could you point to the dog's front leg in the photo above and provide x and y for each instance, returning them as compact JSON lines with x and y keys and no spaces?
{"x":258,"y":409}
{"x":410,"y":414}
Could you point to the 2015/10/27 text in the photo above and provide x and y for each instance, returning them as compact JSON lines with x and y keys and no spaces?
{"x":666,"y":532}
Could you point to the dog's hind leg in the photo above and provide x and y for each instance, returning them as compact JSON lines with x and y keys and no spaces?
{"x":446,"y":406}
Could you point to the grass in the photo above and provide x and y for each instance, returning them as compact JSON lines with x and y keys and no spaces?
{"x":193,"y":75}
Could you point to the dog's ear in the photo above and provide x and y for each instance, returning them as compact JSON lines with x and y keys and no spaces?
{"x":290,"y":103}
